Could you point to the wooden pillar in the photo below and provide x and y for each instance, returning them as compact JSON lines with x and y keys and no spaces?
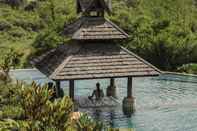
{"x":57,"y":88}
{"x":112,"y":82}
{"x":71,"y":89}
{"x":128,"y":102}
{"x":129,"y":87}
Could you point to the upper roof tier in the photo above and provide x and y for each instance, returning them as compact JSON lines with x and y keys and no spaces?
{"x":94,"y":28}
{"x":85,"y":6}
{"x":92,"y":25}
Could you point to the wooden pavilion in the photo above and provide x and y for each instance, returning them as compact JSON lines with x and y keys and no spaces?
{"x":93,"y":53}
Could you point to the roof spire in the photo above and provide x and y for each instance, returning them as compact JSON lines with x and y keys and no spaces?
{"x":93,"y":7}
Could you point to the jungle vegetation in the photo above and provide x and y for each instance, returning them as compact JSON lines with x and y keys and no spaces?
{"x":32,"y":108}
{"x":162,"y":32}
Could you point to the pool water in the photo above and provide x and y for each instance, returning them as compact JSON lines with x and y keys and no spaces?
{"x":164,"y":103}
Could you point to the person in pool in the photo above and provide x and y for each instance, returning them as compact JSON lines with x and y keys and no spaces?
{"x":98,"y":93}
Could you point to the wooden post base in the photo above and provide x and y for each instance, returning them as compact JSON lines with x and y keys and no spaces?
{"x":111,"y":91}
{"x":128,"y":106}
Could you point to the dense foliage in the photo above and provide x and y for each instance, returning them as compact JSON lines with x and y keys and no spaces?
{"x":162,"y":32}
{"x":188,"y":68}
{"x":9,"y":59}
{"x":24,"y":29}
{"x":30,"y":107}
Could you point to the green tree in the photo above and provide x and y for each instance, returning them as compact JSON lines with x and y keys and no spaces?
{"x":10,"y":59}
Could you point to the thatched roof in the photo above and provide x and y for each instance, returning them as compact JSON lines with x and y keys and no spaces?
{"x":92,"y":60}
{"x":94,"y":28}
{"x":93,"y":5}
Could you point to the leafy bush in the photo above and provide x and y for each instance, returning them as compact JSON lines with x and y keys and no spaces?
{"x":8,"y":124}
{"x":47,"y":40}
{"x":14,"y":3}
{"x":31,"y":5}
{"x":12,"y":112}
{"x":17,"y":32}
{"x":132,"y":3}
{"x":29,"y":23}
{"x":10,"y":59}
{"x":85,"y":123}
{"x":29,"y":107}
{"x":4,"y":25}
{"x":188,"y":68}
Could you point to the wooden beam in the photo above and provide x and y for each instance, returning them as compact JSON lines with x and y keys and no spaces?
{"x":57,"y":88}
{"x":71,"y":89}
{"x":129,"y":87}
{"x":91,"y":78}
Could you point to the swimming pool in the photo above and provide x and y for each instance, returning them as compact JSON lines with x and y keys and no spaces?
{"x":168,"y":102}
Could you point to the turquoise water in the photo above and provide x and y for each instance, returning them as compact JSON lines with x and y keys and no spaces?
{"x":168,"y":102}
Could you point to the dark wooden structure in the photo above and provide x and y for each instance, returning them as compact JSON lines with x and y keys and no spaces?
{"x":93,"y":53}
{"x":98,"y":6}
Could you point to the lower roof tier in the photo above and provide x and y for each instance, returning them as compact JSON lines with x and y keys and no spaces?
{"x":91,"y":61}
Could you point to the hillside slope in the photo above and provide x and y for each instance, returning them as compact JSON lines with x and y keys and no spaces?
{"x":162,"y":32}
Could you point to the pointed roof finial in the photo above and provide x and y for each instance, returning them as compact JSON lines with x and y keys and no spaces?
{"x":84,"y":6}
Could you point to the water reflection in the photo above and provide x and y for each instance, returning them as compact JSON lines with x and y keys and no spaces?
{"x":97,"y":114}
